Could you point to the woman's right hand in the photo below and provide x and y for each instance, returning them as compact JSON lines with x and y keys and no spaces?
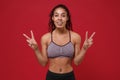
{"x":31,"y":41}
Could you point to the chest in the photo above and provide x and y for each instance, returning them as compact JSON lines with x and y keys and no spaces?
{"x":61,"y":39}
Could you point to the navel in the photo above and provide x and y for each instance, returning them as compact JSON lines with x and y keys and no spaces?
{"x":60,"y":70}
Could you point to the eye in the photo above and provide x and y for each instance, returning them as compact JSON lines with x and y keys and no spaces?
{"x":63,"y":15}
{"x":55,"y":15}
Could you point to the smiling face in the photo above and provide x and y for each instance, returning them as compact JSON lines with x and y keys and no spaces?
{"x":60,"y":18}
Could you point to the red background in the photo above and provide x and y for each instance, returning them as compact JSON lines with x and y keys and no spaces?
{"x":17,"y":60}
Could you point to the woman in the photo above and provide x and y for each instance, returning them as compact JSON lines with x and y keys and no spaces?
{"x":60,"y":46}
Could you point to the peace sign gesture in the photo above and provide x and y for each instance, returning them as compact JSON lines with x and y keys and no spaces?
{"x":31,"y":41}
{"x":88,"y":41}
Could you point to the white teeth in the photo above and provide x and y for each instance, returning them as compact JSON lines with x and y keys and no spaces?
{"x":59,"y":23}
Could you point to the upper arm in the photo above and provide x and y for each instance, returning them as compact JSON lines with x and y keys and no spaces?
{"x":44,"y":41}
{"x":77,"y":40}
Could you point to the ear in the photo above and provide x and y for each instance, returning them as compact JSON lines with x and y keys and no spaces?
{"x":52,"y":18}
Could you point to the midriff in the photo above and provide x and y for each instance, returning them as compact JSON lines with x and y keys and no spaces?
{"x":60,"y":65}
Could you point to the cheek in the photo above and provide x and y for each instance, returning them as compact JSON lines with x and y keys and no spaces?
{"x":65,"y":19}
{"x":54,"y":19}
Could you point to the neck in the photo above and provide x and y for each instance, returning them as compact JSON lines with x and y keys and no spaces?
{"x":61,"y":30}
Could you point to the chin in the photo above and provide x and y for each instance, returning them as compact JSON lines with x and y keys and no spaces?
{"x":59,"y":27}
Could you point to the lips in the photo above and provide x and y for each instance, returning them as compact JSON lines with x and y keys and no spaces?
{"x":59,"y":23}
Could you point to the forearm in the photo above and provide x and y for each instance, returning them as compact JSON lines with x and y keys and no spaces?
{"x":81,"y":53}
{"x":41,"y":59}
{"x":78,"y":59}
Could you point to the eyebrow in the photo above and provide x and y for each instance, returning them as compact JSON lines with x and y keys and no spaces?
{"x":58,"y":13}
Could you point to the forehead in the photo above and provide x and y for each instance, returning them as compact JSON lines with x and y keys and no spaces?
{"x":60,"y":11}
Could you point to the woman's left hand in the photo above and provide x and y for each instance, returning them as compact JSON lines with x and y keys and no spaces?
{"x":88,"y":41}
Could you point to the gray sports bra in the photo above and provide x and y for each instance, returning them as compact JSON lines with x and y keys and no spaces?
{"x":55,"y":50}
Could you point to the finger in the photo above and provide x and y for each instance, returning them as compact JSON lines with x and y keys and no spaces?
{"x":86,"y":37}
{"x":90,"y":43}
{"x":92,"y":35}
{"x":29,"y":45}
{"x":32,"y":35}
{"x":26,"y":36}
{"x":28,"y":41}
{"x":90,"y":40}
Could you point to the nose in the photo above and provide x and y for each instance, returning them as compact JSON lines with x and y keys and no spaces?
{"x":60,"y":17}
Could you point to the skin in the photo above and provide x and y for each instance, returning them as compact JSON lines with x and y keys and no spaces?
{"x":60,"y":37}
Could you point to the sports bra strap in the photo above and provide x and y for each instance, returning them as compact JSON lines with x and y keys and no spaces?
{"x":51,"y":37}
{"x":69,"y":36}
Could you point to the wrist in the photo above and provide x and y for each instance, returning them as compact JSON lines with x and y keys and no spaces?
{"x":85,"y":48}
{"x":36,"y":49}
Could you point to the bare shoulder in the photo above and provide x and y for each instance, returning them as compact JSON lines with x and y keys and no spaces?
{"x":75,"y":36}
{"x":46,"y":37}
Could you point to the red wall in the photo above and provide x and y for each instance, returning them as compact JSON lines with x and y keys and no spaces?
{"x":17,"y":60}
